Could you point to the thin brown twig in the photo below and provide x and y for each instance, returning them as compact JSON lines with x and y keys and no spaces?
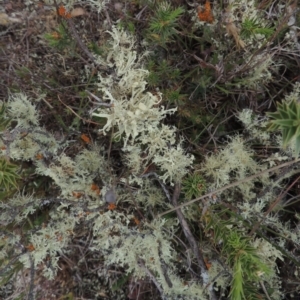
{"x":272,"y":206}
{"x":107,"y":17}
{"x":192,"y":241}
{"x":236,"y":183}
{"x":79,"y":41}
{"x":280,"y":25}
{"x":32,"y":273}
{"x":186,"y":229}
{"x":85,"y":120}
{"x":265,"y":290}
{"x":152,"y":277}
{"x":133,"y":200}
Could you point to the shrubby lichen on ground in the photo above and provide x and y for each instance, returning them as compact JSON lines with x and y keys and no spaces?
{"x":135,"y":151}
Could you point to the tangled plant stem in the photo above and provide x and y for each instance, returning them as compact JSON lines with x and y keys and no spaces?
{"x":228,"y":186}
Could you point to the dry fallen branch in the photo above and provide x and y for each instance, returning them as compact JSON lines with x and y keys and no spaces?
{"x":192,"y":241}
{"x":232,"y":30}
{"x":236,"y":183}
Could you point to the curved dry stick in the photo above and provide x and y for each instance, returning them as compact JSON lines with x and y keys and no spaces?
{"x":79,"y":41}
{"x":141,"y":263}
{"x":272,"y":206}
{"x":192,"y":241}
{"x":83,"y":119}
{"x":236,"y":183}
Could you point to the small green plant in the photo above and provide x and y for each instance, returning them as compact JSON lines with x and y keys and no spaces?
{"x":287,"y":118}
{"x":95,"y":48}
{"x":8,"y":175}
{"x":173,"y":96}
{"x":60,"y":38}
{"x":162,"y":25}
{"x":251,"y":27}
{"x":247,"y":266}
{"x":161,"y":70}
{"x":193,"y":186}
{"x":4,"y":121}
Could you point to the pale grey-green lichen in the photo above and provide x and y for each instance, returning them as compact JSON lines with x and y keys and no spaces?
{"x":136,"y":113}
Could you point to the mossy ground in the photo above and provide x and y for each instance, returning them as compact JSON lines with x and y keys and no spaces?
{"x":202,"y":68}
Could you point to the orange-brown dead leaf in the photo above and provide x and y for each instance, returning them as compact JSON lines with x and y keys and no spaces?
{"x":39,"y":156}
{"x":136,"y":221}
{"x":63,"y":12}
{"x":30,"y":247}
{"x":207,"y":263}
{"x":55,"y":35}
{"x":77,"y":194}
{"x":205,"y":14}
{"x":112,"y":206}
{"x":95,"y":187}
{"x":85,"y":138}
